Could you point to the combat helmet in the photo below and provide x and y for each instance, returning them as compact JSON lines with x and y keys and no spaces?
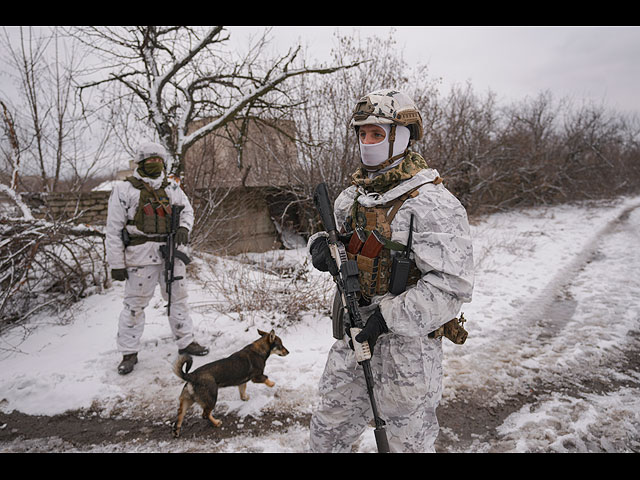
{"x":392,"y":107}
{"x":150,"y":149}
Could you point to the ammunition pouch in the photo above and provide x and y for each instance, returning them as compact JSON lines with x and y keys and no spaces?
{"x":375,"y":272}
{"x":453,"y":330}
{"x":374,"y":258}
{"x":153,"y":215}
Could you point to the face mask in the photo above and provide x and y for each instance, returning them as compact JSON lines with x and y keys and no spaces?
{"x":373,"y":155}
{"x":152,"y":170}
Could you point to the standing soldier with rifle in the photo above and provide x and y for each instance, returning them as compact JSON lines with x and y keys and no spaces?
{"x":148,"y":217}
{"x":410,"y":240}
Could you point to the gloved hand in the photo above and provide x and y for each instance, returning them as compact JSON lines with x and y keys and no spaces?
{"x":119,"y":274}
{"x":182,"y":236}
{"x":373,"y":328}
{"x":321,"y":256}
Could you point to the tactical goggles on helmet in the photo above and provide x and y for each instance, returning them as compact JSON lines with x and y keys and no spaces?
{"x":407,"y":117}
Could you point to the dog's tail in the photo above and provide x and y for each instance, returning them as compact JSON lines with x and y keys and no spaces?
{"x":177,"y":367}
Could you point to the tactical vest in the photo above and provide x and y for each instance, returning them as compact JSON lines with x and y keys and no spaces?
{"x":153,"y":215}
{"x":375,"y":273}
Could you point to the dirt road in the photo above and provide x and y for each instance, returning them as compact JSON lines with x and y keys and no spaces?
{"x":469,"y":423}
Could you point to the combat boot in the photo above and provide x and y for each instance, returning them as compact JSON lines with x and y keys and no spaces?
{"x":127,"y":363}
{"x":194,"y":349}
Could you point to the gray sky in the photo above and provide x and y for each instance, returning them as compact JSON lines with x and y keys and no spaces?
{"x":596,"y":63}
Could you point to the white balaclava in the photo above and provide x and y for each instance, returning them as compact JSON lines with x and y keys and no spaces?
{"x":373,"y":155}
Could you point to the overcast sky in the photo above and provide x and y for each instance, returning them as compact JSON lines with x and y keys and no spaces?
{"x":597,"y":63}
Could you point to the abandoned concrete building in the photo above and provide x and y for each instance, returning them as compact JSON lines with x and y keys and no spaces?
{"x":239,"y":193}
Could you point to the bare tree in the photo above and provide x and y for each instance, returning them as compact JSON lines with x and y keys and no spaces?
{"x":10,"y":153}
{"x":183,"y":74}
{"x":58,"y":143}
{"x":327,"y":145}
{"x":44,"y":264}
{"x":459,"y":140}
{"x":531,"y":152}
{"x":27,"y":58}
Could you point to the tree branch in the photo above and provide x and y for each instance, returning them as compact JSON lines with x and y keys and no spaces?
{"x":234,"y":109}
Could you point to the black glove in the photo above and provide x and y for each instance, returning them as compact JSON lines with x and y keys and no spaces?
{"x":119,"y":274}
{"x":182,"y":236}
{"x":374,"y":327}
{"x":321,"y":256}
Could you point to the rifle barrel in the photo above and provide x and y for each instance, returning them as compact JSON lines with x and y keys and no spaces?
{"x":349,"y":291}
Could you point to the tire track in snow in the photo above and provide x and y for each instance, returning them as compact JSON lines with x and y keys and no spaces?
{"x":537,"y":311}
{"x":540,"y":362}
{"x":530,"y":331}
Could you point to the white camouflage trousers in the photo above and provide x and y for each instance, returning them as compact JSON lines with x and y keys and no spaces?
{"x":138,"y":291}
{"x":408,"y":387}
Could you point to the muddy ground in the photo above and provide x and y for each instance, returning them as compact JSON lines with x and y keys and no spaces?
{"x":462,"y":423}
{"x":465,"y":424}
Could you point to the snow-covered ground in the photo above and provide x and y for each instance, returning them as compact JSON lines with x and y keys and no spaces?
{"x":557,"y":296}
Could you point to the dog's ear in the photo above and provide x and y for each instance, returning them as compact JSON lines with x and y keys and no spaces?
{"x":262,"y":333}
{"x":272,"y":335}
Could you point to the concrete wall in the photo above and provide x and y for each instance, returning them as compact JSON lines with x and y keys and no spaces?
{"x":242,"y":223}
{"x":89,"y":207}
{"x":249,"y":227}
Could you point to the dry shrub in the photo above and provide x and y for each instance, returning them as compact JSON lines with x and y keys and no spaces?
{"x":273,"y":284}
{"x":47,"y":266}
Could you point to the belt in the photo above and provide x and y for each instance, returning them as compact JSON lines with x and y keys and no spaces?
{"x":140,"y":239}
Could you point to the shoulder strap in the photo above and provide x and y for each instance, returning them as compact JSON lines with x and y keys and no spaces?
{"x":136,"y":182}
{"x":397,"y":203}
{"x":139,"y":184}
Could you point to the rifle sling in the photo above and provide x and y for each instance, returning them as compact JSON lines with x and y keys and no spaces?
{"x":140,"y":239}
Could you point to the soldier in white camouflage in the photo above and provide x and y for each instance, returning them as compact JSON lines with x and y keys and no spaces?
{"x":392,"y":189}
{"x":138,"y":217}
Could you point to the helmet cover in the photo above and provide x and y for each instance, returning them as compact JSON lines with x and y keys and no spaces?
{"x":149,"y":150}
{"x":388,"y":106}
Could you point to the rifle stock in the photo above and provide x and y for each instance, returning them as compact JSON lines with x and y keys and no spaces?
{"x":349,"y":287}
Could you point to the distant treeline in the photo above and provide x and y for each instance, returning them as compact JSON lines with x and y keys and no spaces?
{"x":532,"y":152}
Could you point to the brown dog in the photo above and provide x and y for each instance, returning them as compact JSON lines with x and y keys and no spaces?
{"x":235,"y":370}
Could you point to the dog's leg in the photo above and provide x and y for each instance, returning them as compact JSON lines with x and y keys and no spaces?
{"x":208,"y":414}
{"x":243,"y":389}
{"x":185,"y":402}
{"x":263,"y":379}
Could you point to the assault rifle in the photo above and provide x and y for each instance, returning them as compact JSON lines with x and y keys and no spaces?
{"x":348,"y":286}
{"x":170,"y":252}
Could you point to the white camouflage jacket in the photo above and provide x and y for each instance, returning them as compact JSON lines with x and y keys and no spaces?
{"x":123,"y":204}
{"x":442,"y":250}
